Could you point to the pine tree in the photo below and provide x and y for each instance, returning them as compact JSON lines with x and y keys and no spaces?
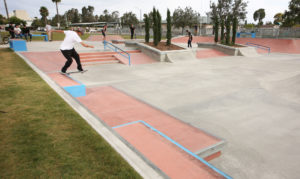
{"x":169,"y":27}
{"x":158,"y":26}
{"x":228,"y":26}
{"x":234,"y":27}
{"x":147,"y":28}
{"x":155,"y":35}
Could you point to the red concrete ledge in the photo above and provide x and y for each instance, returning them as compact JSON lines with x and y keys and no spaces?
{"x":116,"y":108}
{"x":172,"y":158}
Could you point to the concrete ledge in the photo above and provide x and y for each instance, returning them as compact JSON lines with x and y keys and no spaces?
{"x":206,"y":45}
{"x":118,"y":41}
{"x":76,"y":91}
{"x":207,"y":152}
{"x":161,"y":56}
{"x":233,"y":51}
{"x":18,"y":45}
{"x":130,"y":43}
{"x":227,"y":49}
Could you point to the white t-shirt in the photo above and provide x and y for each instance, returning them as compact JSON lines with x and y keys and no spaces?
{"x":48,"y":27}
{"x":70,"y":38}
{"x":17,"y":30}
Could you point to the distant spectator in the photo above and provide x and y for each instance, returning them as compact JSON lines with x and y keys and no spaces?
{"x":18,"y":31}
{"x":104,"y":32}
{"x":132,"y":28}
{"x":26,"y":33}
{"x":82,"y":30}
{"x":49,"y":32}
{"x":11,"y":31}
{"x":190,"y":38}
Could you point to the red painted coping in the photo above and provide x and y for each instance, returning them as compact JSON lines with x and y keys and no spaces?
{"x":62,"y":80}
{"x":48,"y":61}
{"x":277,"y":45}
{"x":108,"y":37}
{"x":116,"y":108}
{"x":209,"y":53}
{"x":135,"y":59}
{"x":172,"y":160}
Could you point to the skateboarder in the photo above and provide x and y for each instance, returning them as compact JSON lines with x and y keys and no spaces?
{"x":67,"y":48}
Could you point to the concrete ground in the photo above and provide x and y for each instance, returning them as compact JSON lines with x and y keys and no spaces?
{"x":252,"y":103}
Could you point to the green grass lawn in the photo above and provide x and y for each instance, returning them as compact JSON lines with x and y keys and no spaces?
{"x":41,"y":136}
{"x":140,"y":37}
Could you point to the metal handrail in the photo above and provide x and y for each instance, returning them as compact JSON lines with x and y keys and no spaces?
{"x":115,"y":48}
{"x":259,"y":46}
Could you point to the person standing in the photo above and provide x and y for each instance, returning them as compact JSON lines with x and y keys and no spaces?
{"x":132,"y":28}
{"x":26,"y":33}
{"x":190,"y":38}
{"x":67,"y":48}
{"x":104,"y":32}
{"x":11,"y":30}
{"x":49,"y":31}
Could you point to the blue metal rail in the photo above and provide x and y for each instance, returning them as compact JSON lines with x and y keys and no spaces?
{"x":259,"y":46}
{"x":117,"y":49}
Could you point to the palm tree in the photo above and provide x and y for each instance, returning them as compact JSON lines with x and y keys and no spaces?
{"x":6,"y":9}
{"x":259,"y":15}
{"x":44,"y":13}
{"x":56,"y":2}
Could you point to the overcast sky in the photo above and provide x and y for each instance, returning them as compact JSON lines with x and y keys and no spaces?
{"x":136,"y":6}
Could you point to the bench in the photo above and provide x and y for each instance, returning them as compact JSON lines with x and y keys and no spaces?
{"x":253,"y":34}
{"x":40,"y":35}
{"x":36,"y":35}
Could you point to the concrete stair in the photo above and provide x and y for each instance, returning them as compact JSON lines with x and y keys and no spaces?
{"x":101,"y":58}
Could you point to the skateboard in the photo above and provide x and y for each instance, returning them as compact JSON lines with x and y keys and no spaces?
{"x":71,"y":72}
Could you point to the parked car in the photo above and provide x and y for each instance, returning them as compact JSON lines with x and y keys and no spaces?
{"x":42,"y":29}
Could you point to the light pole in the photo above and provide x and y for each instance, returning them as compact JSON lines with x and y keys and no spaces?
{"x":6,"y":9}
{"x":140,"y":13}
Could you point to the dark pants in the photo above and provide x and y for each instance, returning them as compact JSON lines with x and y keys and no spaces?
{"x":69,"y":54}
{"x":131,"y":35}
{"x":189,"y":43}
{"x":12,"y":35}
{"x":26,"y":35}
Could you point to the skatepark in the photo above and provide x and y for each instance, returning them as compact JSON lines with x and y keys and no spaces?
{"x":209,"y":115}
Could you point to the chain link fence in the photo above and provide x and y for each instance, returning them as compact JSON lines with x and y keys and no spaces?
{"x":260,"y":32}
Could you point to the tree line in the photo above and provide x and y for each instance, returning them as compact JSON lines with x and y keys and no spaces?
{"x":86,"y":15}
{"x":226,"y":15}
{"x":288,"y":18}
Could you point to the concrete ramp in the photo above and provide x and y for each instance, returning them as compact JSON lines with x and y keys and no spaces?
{"x":248,"y":52}
{"x":180,"y":56}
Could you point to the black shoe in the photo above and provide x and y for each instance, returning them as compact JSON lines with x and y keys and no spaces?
{"x":63,"y":72}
